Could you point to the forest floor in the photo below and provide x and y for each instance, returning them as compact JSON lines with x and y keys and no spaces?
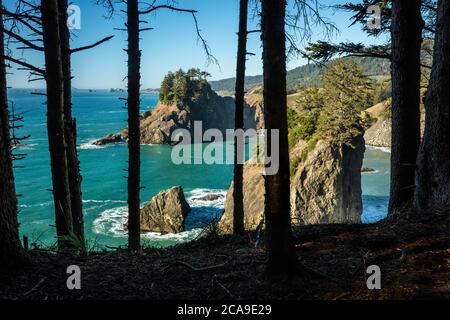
{"x":413,"y":253}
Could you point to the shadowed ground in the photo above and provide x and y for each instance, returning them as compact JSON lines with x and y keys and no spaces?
{"x":413,"y":253}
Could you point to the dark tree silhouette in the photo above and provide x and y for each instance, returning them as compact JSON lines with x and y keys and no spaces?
{"x":433,"y":174}
{"x":280,"y":245}
{"x":133,"y":101}
{"x":238,"y":197}
{"x":29,"y":18}
{"x":134,"y":134}
{"x":406,"y":39}
{"x":70,"y":130}
{"x":322,"y":50}
{"x":55,"y":119}
{"x":11,"y":254}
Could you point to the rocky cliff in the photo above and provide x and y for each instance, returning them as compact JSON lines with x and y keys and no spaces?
{"x":253,"y":200}
{"x":326,"y":187}
{"x":379,"y":134}
{"x":214,"y":111}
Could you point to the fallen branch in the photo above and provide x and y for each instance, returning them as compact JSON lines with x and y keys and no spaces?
{"x":223,"y":287}
{"x":35,"y":287}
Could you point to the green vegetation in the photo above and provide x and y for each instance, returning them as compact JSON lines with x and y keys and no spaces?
{"x":302,"y":123}
{"x":382,"y":91}
{"x":181,"y":87}
{"x":332,"y":112}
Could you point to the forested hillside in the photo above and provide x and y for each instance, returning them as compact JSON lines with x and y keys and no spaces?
{"x":308,"y":75}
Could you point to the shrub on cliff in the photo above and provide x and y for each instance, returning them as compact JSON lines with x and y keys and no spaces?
{"x":181,"y":87}
{"x":332,"y":112}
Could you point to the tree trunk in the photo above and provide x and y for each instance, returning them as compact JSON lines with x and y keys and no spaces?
{"x":134,"y":62}
{"x":407,"y":25}
{"x":55,"y":119}
{"x":70,"y":136}
{"x":280,"y":245}
{"x":10,"y":248}
{"x":433,"y":174}
{"x":238,"y":197}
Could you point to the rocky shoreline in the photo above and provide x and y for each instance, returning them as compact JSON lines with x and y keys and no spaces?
{"x":214,"y":112}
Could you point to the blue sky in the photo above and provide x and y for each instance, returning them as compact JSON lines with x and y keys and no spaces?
{"x":171,"y":45}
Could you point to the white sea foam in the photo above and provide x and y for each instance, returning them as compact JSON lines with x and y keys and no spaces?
{"x":371,"y":172}
{"x":104,"y":201}
{"x":90,"y":146}
{"x":111,"y":222}
{"x":180,"y":237}
{"x":383,"y":149}
{"x":195,"y":198}
{"x":43,"y":204}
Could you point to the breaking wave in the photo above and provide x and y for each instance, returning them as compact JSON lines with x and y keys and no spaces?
{"x":111,"y":221}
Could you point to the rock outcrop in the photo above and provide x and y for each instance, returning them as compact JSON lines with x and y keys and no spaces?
{"x":255,"y":101}
{"x":111,"y":138}
{"x":253,"y":200}
{"x":166,"y":212}
{"x":326,"y":188}
{"x":214,"y":111}
{"x":379,"y":134}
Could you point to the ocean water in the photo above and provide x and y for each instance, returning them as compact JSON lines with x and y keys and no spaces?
{"x":104,"y":185}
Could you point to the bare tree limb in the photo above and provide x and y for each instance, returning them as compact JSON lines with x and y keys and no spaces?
{"x":24,"y":64}
{"x":92,"y":45}
{"x":21,"y":18}
{"x":22,"y":40}
{"x":210,"y":57}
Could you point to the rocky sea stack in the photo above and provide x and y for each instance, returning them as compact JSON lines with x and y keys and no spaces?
{"x":186,"y":97}
{"x":166,"y":212}
{"x":325,"y":187}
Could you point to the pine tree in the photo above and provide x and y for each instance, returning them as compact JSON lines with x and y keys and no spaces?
{"x":433,"y":174}
{"x":134,"y":135}
{"x":238,"y":196}
{"x":55,"y":119}
{"x":70,"y":130}
{"x":279,"y":238}
{"x":407,"y":25}
{"x":11,"y":255}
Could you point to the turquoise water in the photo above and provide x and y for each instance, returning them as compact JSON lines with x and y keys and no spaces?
{"x":104,"y":186}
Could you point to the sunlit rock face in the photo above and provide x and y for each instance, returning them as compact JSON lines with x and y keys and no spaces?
{"x":325,"y":188}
